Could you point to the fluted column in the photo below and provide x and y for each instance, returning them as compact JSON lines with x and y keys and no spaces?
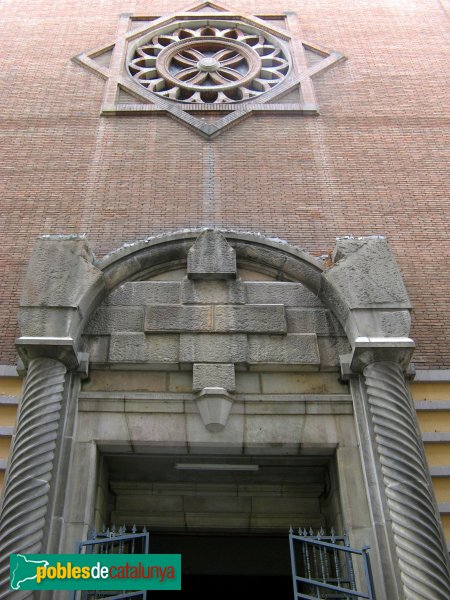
{"x":27,"y":487}
{"x":416,"y":530}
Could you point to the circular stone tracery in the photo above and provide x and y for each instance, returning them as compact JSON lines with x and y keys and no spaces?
{"x":209,"y":64}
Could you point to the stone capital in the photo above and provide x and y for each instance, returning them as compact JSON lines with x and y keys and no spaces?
{"x":369,"y":350}
{"x":62,"y":349}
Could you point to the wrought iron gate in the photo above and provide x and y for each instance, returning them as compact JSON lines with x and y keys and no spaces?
{"x":113,"y":541}
{"x":322,"y":567}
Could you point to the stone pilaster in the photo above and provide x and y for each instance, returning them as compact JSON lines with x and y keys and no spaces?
{"x":27,"y":487}
{"x":416,"y":530}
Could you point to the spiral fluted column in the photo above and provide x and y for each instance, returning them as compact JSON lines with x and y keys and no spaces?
{"x":416,"y":530}
{"x":28,"y":483}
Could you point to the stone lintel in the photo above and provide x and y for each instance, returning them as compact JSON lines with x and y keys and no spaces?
{"x":370,"y":350}
{"x":211,"y":257}
{"x":62,"y":349}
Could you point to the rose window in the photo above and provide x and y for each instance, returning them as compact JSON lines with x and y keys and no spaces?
{"x":209,"y":64}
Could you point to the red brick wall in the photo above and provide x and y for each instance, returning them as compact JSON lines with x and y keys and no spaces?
{"x":374,"y":162}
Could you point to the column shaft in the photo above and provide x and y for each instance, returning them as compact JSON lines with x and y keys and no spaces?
{"x":27,"y":487}
{"x":416,"y":529}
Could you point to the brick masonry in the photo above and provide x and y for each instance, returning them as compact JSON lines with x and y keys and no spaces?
{"x":374,"y":161}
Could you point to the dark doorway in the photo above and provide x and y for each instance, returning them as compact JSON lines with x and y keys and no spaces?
{"x":228,"y":566}
{"x":230,"y":587}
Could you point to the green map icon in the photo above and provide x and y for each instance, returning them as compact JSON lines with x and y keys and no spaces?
{"x":23,"y":569}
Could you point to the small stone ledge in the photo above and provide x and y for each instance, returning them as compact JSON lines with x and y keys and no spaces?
{"x":9,"y":400}
{"x":8,"y":371}
{"x":440,"y":471}
{"x":432,"y":405}
{"x":6,"y":430}
{"x":432,"y":376}
{"x":435,"y":436}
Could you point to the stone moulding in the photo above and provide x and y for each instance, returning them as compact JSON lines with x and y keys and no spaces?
{"x":208,"y":59}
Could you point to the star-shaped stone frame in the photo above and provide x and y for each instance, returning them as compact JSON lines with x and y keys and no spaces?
{"x":295,"y":94}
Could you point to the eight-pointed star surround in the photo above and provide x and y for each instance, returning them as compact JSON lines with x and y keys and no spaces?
{"x":208,"y":60}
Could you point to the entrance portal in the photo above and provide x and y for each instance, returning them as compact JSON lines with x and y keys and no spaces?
{"x":228,"y":516}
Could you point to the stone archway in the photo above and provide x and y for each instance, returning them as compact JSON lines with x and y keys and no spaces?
{"x":119,"y":312}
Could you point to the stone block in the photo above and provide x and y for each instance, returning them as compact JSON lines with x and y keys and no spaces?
{"x":277,"y":434}
{"x":320,"y":430}
{"x":228,"y":441}
{"x":293,"y":349}
{"x":61,"y":273}
{"x":213,"y":348}
{"x":248,"y":383}
{"x":250,"y":318}
{"x":141,"y":501}
{"x":212,"y":292}
{"x":137,"y":293}
{"x":125,"y":381}
{"x":233,"y":521}
{"x":289,"y":294}
{"x":180,"y":382}
{"x":283,"y":522}
{"x":53,"y":321}
{"x":141,"y":348}
{"x":330,"y":349}
{"x":166,"y":520}
{"x":156,"y":429}
{"x":284,"y":505}
{"x":384,"y":323}
{"x":302,"y":383}
{"x":351,"y":478}
{"x":173,"y":317}
{"x":97,"y":346}
{"x":366,"y":274}
{"x":257,"y":489}
{"x":305,"y":271}
{"x":211,"y":257}
{"x":318,"y":321}
{"x":96,"y":427}
{"x":111,"y":319}
{"x":217,"y":504}
{"x":213,"y":375}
